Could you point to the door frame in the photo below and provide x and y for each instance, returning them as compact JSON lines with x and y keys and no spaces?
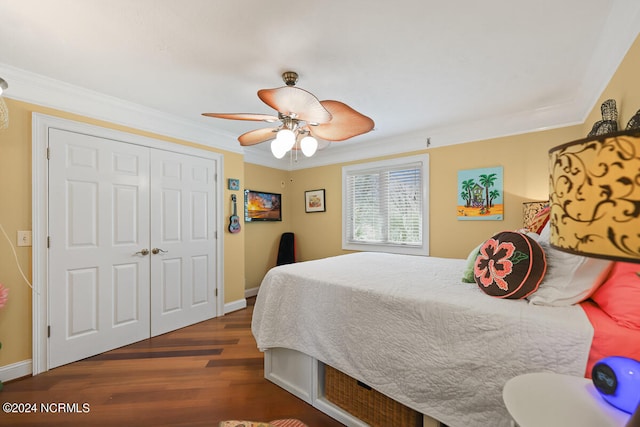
{"x":41,"y":123}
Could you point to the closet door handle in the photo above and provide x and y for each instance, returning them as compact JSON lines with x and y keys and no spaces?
{"x":143,"y":252}
{"x":156,"y":251}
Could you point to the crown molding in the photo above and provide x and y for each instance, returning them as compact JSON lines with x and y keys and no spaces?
{"x":40,"y":90}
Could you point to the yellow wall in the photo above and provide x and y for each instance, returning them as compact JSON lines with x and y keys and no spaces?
{"x":523,"y":158}
{"x":318,"y":234}
{"x":262,"y":238}
{"x":15,"y":214}
{"x":234,"y":244}
{"x":524,"y":161}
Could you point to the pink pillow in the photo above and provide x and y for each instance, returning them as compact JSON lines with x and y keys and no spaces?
{"x":619,"y":296}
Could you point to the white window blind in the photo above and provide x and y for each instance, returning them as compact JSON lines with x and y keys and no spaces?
{"x":385,"y":204}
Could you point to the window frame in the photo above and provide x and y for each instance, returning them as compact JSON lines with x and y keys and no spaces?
{"x":423,"y":248}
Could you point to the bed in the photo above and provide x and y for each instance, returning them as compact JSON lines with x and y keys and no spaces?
{"x":411,"y":329}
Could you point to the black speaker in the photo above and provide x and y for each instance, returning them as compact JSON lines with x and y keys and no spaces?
{"x":287,"y":249}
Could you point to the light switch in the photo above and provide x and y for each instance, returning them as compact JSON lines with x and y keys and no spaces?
{"x":24,"y":238}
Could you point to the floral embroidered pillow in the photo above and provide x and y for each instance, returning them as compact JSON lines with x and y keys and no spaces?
{"x":510,"y":265}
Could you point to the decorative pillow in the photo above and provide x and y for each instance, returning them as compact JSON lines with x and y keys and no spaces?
{"x":510,"y":265}
{"x":539,"y":221}
{"x":570,"y":278}
{"x":467,"y":274}
{"x":619,"y":296}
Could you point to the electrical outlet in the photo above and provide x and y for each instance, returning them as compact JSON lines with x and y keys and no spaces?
{"x":24,"y":238}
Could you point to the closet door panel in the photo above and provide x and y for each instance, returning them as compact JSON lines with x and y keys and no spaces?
{"x":183,"y":239}
{"x":98,"y":225}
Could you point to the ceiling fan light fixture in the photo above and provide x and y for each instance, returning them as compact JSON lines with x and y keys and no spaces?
{"x":308,"y":145}
{"x":278,"y":149}
{"x":287,"y":138}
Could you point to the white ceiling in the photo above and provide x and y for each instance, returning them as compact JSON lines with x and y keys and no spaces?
{"x":453,"y":71}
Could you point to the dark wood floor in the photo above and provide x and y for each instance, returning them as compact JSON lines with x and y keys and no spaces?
{"x":196,"y":376}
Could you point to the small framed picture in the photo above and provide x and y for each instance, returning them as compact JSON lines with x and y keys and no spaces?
{"x":233,"y":184}
{"x":314,"y":201}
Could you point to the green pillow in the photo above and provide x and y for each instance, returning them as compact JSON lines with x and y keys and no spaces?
{"x":467,"y":275}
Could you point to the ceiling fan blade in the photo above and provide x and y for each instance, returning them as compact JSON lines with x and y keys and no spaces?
{"x":243,"y":116}
{"x":346,"y":123}
{"x":257,"y":136}
{"x":295,"y":102}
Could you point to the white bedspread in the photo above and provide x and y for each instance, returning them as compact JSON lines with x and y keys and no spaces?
{"x":408,"y":327}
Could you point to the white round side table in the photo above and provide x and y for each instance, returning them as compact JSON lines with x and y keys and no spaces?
{"x":553,"y":400}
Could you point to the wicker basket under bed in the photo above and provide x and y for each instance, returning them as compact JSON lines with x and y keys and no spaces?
{"x":365,"y":403}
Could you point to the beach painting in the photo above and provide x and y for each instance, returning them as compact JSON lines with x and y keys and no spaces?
{"x":480,"y":194}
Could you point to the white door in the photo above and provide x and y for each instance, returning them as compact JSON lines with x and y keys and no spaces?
{"x":98,"y":229}
{"x":182,"y":241}
{"x":132,"y":243}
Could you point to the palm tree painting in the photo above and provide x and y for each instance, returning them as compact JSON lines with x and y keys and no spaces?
{"x":467,"y":185}
{"x":480,"y":194}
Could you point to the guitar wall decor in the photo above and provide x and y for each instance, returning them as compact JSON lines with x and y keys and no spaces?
{"x":234,"y":220}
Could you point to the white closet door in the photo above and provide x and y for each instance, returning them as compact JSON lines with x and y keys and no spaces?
{"x":182,"y":241}
{"x":98,"y":226}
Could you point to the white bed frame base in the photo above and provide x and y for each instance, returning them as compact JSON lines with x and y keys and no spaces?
{"x":303,"y":376}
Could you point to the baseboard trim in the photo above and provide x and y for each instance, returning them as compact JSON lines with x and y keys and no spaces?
{"x":16,"y":370}
{"x":235,"y":305}
{"x":248,"y":293}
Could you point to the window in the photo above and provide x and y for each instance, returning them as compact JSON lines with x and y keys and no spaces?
{"x":385,"y":206}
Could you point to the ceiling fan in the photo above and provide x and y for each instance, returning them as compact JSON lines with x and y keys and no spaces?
{"x":303,"y":119}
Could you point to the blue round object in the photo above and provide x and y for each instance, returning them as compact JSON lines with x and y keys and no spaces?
{"x":618,"y":381}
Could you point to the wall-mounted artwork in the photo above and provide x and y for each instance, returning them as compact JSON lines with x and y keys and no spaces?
{"x":233,"y":184}
{"x":262,"y":206}
{"x":480,"y":194}
{"x":314,"y":201}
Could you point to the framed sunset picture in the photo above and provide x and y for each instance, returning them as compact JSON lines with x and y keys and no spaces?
{"x":262,"y":206}
{"x":480,"y":194}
